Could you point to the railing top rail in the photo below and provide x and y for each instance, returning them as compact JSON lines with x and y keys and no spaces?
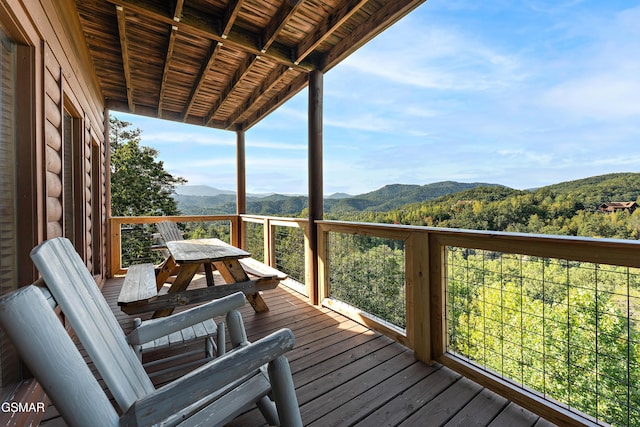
{"x":587,"y":249}
{"x":249,"y":217}
{"x":175,"y":218}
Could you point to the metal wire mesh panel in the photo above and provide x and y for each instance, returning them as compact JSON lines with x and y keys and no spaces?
{"x":564,"y":329}
{"x":369,"y":274}
{"x":289,"y":246}
{"x":255,"y":239}
{"x":137,"y":241}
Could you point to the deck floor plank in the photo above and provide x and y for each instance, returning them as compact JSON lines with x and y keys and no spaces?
{"x":444,"y":406}
{"x":363,"y":405}
{"x":346,"y":374}
{"x":482,"y":409}
{"x":512,"y":415}
{"x":322,"y":397}
{"x":413,"y":398}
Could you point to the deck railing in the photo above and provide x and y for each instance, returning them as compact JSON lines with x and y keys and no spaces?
{"x":551,"y":323}
{"x":281,"y":243}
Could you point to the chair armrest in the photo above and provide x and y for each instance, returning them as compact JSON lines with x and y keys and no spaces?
{"x":156,"y":328}
{"x":174,"y":397}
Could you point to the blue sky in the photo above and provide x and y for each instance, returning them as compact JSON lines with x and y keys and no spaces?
{"x":519,"y":93}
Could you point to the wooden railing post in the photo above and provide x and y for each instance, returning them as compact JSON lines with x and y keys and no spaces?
{"x":418,"y":316}
{"x":115,"y":247}
{"x":237,"y":232}
{"x":269,"y":244}
{"x":322,"y":284}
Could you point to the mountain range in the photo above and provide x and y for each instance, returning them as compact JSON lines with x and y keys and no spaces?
{"x":206,"y":200}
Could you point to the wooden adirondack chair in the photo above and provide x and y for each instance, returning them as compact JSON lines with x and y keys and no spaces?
{"x":169,"y":231}
{"x":212,"y":394}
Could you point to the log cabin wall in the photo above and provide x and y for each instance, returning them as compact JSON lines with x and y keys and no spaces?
{"x":54,"y":77}
{"x":53,"y":143}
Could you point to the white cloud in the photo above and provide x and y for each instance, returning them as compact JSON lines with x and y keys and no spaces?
{"x":275,"y":145}
{"x":599,"y":81}
{"x":437,"y":58}
{"x":194,"y":135}
{"x":596,"y":97}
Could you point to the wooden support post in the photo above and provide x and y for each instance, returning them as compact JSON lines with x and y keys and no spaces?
{"x":316,"y":207}
{"x":241,"y":187}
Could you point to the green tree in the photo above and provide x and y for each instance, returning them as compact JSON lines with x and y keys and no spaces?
{"x":139,"y":183}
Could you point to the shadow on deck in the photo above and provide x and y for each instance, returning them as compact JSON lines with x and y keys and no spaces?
{"x":346,"y":374}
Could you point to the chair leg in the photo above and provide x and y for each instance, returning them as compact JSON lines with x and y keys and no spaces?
{"x":269,"y":411}
{"x":210,"y":348}
{"x":284,"y":392}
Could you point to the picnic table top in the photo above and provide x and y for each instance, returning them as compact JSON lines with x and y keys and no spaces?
{"x":201,"y":250}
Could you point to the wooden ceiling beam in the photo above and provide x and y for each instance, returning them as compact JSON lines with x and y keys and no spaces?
{"x":274,"y":102}
{"x":177,"y":11}
{"x":193,"y":23}
{"x":167,"y":62}
{"x":258,"y":94}
{"x":211,"y":58}
{"x":330,"y":24}
{"x":285,"y":12}
{"x":240,"y":74}
{"x":124,"y":43}
{"x":381,"y":20}
{"x":172,"y":40}
{"x":233,"y":8}
{"x":165,"y":72}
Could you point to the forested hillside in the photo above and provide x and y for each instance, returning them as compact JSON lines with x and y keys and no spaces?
{"x":569,"y":208}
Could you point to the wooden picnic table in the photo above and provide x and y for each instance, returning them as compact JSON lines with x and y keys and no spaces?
{"x":188,"y":256}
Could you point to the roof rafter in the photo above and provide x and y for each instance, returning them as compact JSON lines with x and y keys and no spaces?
{"x":240,"y":73}
{"x":330,"y":24}
{"x":299,"y":82}
{"x":167,"y":62}
{"x":213,"y":54}
{"x":277,"y":23}
{"x":258,"y":93}
{"x":122,"y":32}
{"x":172,"y":40}
{"x":233,"y":8}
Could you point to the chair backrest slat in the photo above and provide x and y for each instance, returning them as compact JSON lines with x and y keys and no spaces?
{"x":87,"y":311}
{"x":169,"y":231}
{"x":54,"y":360}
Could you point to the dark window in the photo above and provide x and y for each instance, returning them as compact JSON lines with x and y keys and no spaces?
{"x":9,"y":367}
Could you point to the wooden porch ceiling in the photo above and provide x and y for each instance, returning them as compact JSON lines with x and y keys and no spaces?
{"x":224,"y":64}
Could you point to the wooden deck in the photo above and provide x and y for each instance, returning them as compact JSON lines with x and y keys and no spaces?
{"x":347,"y":375}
